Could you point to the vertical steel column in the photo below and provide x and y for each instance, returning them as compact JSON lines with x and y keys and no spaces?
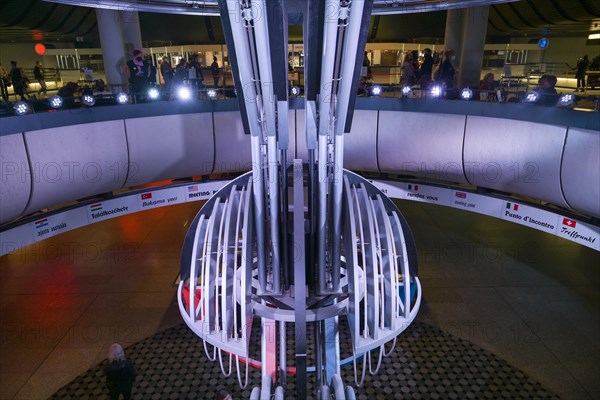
{"x":325,"y":121}
{"x":299,"y":282}
{"x":282,"y":354}
{"x":263,"y":55}
{"x":243,"y":54}
{"x":283,"y":139}
{"x":347,"y":73}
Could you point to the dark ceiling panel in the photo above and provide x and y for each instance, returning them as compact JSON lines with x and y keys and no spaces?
{"x":15,"y":15}
{"x":180,"y":29}
{"x":30,"y":20}
{"x":43,"y":17}
{"x":590,"y":6}
{"x":505,"y":20}
{"x":563,"y":11}
{"x":409,"y":27}
{"x":524,"y":21}
{"x":547,"y":9}
{"x":85,"y":19}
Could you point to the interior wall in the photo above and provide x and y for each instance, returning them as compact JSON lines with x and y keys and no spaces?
{"x":25,"y":55}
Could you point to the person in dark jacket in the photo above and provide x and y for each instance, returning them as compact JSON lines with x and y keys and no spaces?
{"x":582,"y":66}
{"x":120,"y":373}
{"x":427,"y":66}
{"x":138,"y":73}
{"x":19,"y":80}
{"x":38,"y":74}
{"x":214,"y":70}
{"x":166,"y":71}
{"x":446,"y":70}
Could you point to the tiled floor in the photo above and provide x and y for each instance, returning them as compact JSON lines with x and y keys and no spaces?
{"x":529,"y":298}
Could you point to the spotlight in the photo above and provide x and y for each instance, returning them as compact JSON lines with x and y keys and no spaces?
{"x":212,"y":93}
{"x":531,"y":97}
{"x":295,"y":91}
{"x":153,"y":93}
{"x":406,"y":91}
{"x":88,"y":100}
{"x":21,"y":108}
{"x":184,"y":93}
{"x":436,"y":91}
{"x":55,"y":101}
{"x":376,"y":90}
{"x":466,"y":94}
{"x":122,"y":98}
{"x":566,"y":99}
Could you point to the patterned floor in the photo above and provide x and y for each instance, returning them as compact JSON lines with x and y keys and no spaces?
{"x":426,"y":364}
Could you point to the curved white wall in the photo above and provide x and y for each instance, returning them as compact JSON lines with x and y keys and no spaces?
{"x":515,"y":156}
{"x":360,"y":145}
{"x":15,"y":186}
{"x":73,"y":162}
{"x":171,"y":146}
{"x":232,"y":145}
{"x":581,"y":169}
{"x":77,"y":161}
{"x":426,"y":145}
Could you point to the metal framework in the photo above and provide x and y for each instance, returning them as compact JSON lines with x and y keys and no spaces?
{"x":211,"y":7}
{"x":253,"y":254}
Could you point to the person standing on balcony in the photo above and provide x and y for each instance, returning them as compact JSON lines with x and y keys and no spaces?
{"x":582,"y":66}
{"x":166,"y":71}
{"x":38,"y":74}
{"x":4,"y":82}
{"x":19,"y":80}
{"x":214,"y":70}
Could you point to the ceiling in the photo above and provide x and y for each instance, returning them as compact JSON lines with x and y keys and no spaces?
{"x":397,"y":20}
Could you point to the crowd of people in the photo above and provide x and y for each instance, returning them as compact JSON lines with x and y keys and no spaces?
{"x":422,"y":71}
{"x":418,"y":70}
{"x":142,"y":74}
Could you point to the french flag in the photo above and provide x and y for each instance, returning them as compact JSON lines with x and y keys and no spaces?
{"x":414,"y":188}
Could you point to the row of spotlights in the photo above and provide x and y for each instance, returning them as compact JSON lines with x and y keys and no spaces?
{"x":466,"y":94}
{"x":153,"y":93}
{"x":56,"y":101}
{"x":184,"y":93}
{"x":21,"y":108}
{"x":566,"y":99}
{"x":88,"y":100}
{"x":122,"y":98}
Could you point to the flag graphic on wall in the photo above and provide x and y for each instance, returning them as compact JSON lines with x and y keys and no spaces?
{"x":569,"y":222}
{"x":512,"y":206}
{"x":414,"y":188}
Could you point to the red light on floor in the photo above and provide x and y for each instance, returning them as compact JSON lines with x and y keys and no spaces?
{"x":40,"y":49}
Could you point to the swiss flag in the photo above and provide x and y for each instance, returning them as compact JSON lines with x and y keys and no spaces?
{"x":569,"y":222}
{"x":461,"y":195}
{"x":146,"y":196}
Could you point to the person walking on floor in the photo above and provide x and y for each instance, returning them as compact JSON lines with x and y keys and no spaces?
{"x":120,"y":373}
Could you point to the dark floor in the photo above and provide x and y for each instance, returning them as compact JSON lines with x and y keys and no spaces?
{"x":499,"y":298}
{"x":427,"y":363}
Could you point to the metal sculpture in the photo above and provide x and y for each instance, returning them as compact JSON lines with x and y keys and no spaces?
{"x":302,"y":243}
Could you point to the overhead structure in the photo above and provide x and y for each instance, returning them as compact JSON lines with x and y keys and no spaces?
{"x":291,"y":250}
{"x":211,"y":7}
